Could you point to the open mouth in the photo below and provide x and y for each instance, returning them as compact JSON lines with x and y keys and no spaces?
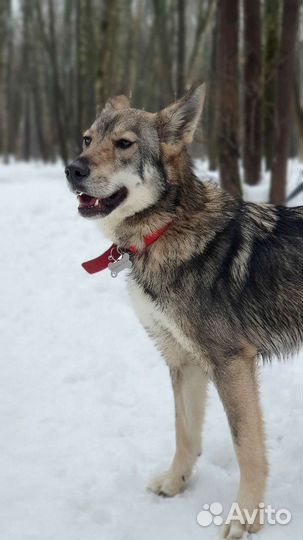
{"x":91,"y":206}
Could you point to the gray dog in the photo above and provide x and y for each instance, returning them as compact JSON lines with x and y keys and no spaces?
{"x":217,"y":282}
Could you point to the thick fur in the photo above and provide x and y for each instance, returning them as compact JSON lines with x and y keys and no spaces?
{"x":222,"y":287}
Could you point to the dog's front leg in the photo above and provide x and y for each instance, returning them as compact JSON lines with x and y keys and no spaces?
{"x":238,"y":388}
{"x":190,"y":388}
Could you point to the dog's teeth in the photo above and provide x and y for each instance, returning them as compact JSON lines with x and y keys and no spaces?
{"x":96,"y":202}
{"x":81,"y":193}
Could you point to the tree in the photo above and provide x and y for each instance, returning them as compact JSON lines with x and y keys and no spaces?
{"x":283,"y":103}
{"x":272,"y":25}
{"x":48,"y":36}
{"x":85,"y":66}
{"x":26,"y":150}
{"x":252,"y":149}
{"x":163,"y":56}
{"x":212,"y":101}
{"x":298,"y":103}
{"x":228,"y":95}
{"x":180,"y":86}
{"x":44,"y":149}
{"x":113,"y":72}
{"x":5,"y":50}
{"x":205,"y":17}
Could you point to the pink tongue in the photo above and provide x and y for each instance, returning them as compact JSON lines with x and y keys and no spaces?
{"x":86,"y":200}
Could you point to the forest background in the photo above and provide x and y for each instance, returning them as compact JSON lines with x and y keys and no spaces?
{"x":61,"y":59}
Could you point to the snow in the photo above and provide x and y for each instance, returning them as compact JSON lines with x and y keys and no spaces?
{"x":86,"y":410}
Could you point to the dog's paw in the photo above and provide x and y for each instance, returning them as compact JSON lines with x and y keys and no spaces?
{"x":235,"y":531}
{"x":236,"y":528}
{"x":167,"y":484}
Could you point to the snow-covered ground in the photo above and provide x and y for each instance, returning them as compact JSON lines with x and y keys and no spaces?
{"x":86,"y":410}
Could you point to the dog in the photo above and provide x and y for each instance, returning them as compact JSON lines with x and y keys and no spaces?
{"x":217,"y":282}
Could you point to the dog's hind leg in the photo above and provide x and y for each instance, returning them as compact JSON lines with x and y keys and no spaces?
{"x":238,"y":388}
{"x":190,"y":389}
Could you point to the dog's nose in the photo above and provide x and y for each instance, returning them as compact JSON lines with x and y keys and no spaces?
{"x":77,"y":171}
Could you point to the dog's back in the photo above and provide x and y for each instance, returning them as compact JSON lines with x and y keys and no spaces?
{"x":270,"y":304}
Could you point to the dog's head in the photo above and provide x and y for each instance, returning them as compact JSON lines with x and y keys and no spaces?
{"x":121,"y":170}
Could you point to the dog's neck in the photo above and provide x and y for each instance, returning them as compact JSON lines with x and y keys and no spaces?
{"x":180,"y":186}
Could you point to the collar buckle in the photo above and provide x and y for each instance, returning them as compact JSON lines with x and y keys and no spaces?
{"x":121,"y":263}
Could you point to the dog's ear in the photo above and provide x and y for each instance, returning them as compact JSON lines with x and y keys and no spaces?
{"x":117,"y":103}
{"x":178,"y":122}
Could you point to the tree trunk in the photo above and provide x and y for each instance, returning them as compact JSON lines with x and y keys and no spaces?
{"x":272,"y":24}
{"x":298,"y":107}
{"x":180,"y":86}
{"x":252,"y":92}
{"x":163,"y":55}
{"x":212,"y":98}
{"x":79,"y":64}
{"x":228,"y":95}
{"x":113,"y":72}
{"x":104,"y":53}
{"x":283,"y":103}
{"x":135,"y":48}
{"x":39,"y":114}
{"x":26,"y":148}
{"x":205,"y":16}
{"x":57,"y":93}
{"x":5,"y":44}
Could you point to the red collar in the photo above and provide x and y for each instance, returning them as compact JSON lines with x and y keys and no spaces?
{"x":113,"y":253}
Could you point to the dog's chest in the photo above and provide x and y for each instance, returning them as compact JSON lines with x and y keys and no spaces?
{"x":153,"y":317}
{"x":145,"y":309}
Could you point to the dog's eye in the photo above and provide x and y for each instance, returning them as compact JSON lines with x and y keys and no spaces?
{"x":123,"y":143}
{"x":87,"y":140}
